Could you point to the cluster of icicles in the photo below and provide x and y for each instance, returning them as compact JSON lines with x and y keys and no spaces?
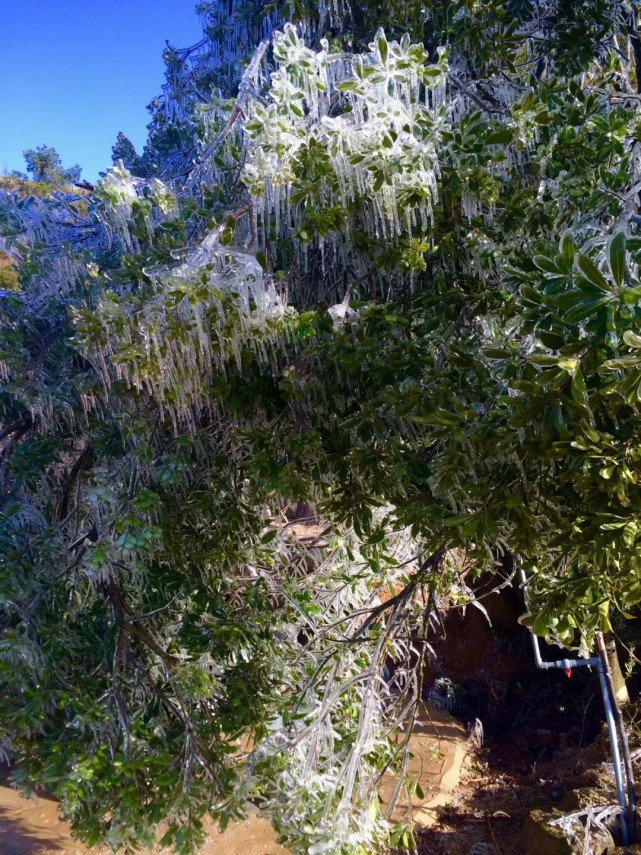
{"x":378,"y":135}
{"x":230,"y":30}
{"x":326,"y":775}
{"x":368,"y":112}
{"x":379,"y":119}
{"x":186,"y":333}
{"x":58,"y":228}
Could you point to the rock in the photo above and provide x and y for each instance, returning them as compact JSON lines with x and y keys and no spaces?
{"x":601,"y":842}
{"x":541,"y":838}
{"x":584,"y":797}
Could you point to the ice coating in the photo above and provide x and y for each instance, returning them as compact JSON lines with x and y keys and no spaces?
{"x":373,"y":147}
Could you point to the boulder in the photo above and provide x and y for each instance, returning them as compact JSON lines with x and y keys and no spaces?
{"x":541,"y":838}
{"x":439,"y":748}
{"x":585,"y":797}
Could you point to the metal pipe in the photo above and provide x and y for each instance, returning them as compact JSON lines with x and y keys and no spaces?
{"x":568,"y":664}
{"x":626,"y":760}
{"x":616,"y":757}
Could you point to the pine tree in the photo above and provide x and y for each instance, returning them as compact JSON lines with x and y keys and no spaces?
{"x":44,"y":164}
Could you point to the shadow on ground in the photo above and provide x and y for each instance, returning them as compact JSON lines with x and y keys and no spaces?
{"x":19,"y":837}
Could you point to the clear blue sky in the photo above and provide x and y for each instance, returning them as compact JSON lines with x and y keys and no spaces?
{"x":73,"y":73}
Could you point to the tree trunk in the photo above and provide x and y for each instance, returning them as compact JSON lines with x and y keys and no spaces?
{"x":620,"y":688}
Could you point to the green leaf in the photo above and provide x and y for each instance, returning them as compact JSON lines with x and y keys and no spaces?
{"x":630,"y":296}
{"x":382,"y":47}
{"x":546,"y":264}
{"x":541,"y":624}
{"x":496,"y":353}
{"x":621,"y":362}
{"x":591,"y":272}
{"x":226,"y":236}
{"x":604,"y":617}
{"x":530,"y":294}
{"x":500,"y":136}
{"x":607,"y":472}
{"x":616,"y":251}
{"x":567,"y":249}
{"x":544,"y":359}
{"x":585,"y":310}
{"x":632,"y":339}
{"x":589,"y":431}
{"x":348,"y":86}
{"x":568,"y":363}
{"x":578,"y":388}
{"x":630,"y":534}
{"x":452,"y":522}
{"x":551,"y":340}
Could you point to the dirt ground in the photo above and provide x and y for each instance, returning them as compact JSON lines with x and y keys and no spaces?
{"x":439,"y":749}
{"x":32,"y":827}
{"x":501,"y":785}
{"x":474,"y":803}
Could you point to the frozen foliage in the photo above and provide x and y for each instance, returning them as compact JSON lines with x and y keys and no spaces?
{"x":321,"y":763}
{"x":222,"y":124}
{"x":376,"y":117}
{"x":397,"y":283}
{"x":118,"y":190}
{"x":182,"y":335}
{"x":579,"y":827}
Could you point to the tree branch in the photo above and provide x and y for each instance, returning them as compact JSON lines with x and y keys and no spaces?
{"x":430,"y":563}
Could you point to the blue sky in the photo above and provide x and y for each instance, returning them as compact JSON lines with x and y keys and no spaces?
{"x":73,"y":73}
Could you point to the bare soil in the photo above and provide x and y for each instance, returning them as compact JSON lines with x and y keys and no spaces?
{"x":501,"y":785}
{"x":439,"y":749}
{"x":33,"y":827}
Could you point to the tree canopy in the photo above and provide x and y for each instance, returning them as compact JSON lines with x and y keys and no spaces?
{"x":382,"y":258}
{"x":44,"y":164}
